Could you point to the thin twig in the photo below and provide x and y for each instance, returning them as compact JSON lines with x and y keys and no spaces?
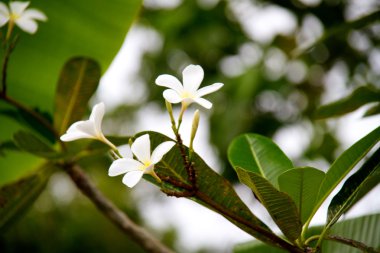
{"x":352,"y":243}
{"x":120,"y":219}
{"x":8,"y":51}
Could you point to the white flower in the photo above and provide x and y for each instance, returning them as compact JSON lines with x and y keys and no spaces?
{"x":188,"y":92}
{"x":88,"y":129}
{"x":135,"y":169}
{"x":21,"y":16}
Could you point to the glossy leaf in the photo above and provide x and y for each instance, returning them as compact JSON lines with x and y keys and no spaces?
{"x":358,"y":98}
{"x":280,"y":206}
{"x":302,"y":185}
{"x":77,"y":83}
{"x":16,"y":198}
{"x":28,"y":142}
{"x":363,"y":229}
{"x":344,"y":164}
{"x":212,"y":188}
{"x":258,"y":154}
{"x":360,"y":183}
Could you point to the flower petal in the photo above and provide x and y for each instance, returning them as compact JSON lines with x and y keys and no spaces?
{"x":209,"y":89}
{"x":123,"y":165}
{"x":87,"y":127}
{"x":203,"y":102}
{"x":26,"y":24}
{"x":192,"y":77}
{"x":132,"y":178}
{"x":161,"y":150}
{"x":4,"y":14}
{"x":96,"y":117}
{"x":73,"y":133}
{"x":172,"y":96}
{"x":169,"y":81}
{"x":141,"y":148}
{"x":34,"y":14}
{"x":18,"y":7}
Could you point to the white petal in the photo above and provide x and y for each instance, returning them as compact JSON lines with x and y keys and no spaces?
{"x":203,"y":102}
{"x":123,"y":165}
{"x":161,"y":150}
{"x":72,"y":136}
{"x":169,"y":81}
{"x":141,"y":148}
{"x":4,"y":14}
{"x":96,"y":117}
{"x":73,"y":133}
{"x":172,"y":96}
{"x":3,"y":19}
{"x":192,"y":77}
{"x":18,"y":7}
{"x":209,"y":89}
{"x":87,"y":127}
{"x":34,"y":14}
{"x":26,"y":24}
{"x":132,"y":178}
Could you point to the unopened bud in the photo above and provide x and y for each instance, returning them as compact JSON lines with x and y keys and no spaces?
{"x":194,"y":127}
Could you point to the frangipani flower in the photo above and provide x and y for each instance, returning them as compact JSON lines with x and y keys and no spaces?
{"x":144,"y":164}
{"x":88,"y":129}
{"x":187,"y":93}
{"x":18,"y":14}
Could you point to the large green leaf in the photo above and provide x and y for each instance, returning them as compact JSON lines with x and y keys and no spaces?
{"x":344,"y":164}
{"x":28,"y":142}
{"x":359,"y":184}
{"x":15,"y":198}
{"x":302,"y":186}
{"x":280,"y":206}
{"x":214,"y":191}
{"x":94,"y":29}
{"x":358,"y":98}
{"x":77,"y":83}
{"x":258,"y":154}
{"x":363,"y":229}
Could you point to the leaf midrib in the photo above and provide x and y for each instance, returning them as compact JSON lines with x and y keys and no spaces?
{"x":74,"y":96}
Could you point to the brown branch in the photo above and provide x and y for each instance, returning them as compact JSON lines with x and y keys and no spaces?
{"x":120,"y":219}
{"x":352,"y":243}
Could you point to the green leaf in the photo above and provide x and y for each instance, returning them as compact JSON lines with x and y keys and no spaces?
{"x":359,"y":97}
{"x":374,"y":110}
{"x":30,"y":143}
{"x":302,"y":186}
{"x":344,"y":164}
{"x":77,"y":83}
{"x":214,"y":191}
{"x":26,"y":120}
{"x":258,"y":154}
{"x":280,"y":206}
{"x":256,"y":247}
{"x":17,"y":197}
{"x":7,"y":145}
{"x":359,"y":184}
{"x":363,"y":229}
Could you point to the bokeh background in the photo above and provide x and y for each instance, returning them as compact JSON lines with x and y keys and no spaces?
{"x":276,"y":75}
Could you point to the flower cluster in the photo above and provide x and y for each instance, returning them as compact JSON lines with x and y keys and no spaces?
{"x":18,"y":14}
{"x":144,"y":160}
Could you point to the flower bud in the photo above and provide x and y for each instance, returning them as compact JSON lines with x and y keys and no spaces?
{"x":194,"y":127}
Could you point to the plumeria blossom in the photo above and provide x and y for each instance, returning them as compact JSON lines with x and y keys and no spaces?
{"x":144,"y":164}
{"x":189,"y":91}
{"x":89,"y":129}
{"x":18,"y":14}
